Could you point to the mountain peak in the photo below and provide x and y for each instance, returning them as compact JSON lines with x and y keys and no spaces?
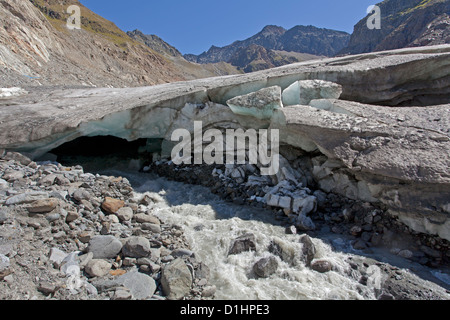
{"x":272,"y":29}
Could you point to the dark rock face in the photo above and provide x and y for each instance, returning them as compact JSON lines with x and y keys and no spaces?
{"x":404,"y":23}
{"x":242,"y":244}
{"x":302,"y":39}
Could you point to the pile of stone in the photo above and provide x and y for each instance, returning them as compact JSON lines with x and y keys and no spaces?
{"x":67,"y":234}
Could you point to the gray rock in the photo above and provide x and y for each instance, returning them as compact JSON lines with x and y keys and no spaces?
{"x":24,"y":160}
{"x":104,"y":246}
{"x":57,"y":256}
{"x":209,"y":291}
{"x":308,"y":249}
{"x":243,"y":243}
{"x":122,"y":294}
{"x":146,"y":218}
{"x":176,"y":279}
{"x":265,"y":267}
{"x":282,"y":249}
{"x":27,"y":197}
{"x":42,"y":205}
{"x":321,"y":266}
{"x":98,"y":267}
{"x":81,"y":194}
{"x":137,"y":247}
{"x":304,"y":223}
{"x":4,"y":262}
{"x":125,"y":214}
{"x":4,"y":215}
{"x":430,"y":252}
{"x":155,"y":228}
{"x":47,"y":288}
{"x":140,"y":285}
{"x":177,"y":253}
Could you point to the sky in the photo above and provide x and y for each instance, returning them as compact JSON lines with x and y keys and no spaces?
{"x":193,"y":26}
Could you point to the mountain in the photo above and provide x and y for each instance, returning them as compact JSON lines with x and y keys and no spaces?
{"x":154,"y":42}
{"x":301,"y":39}
{"x":37,"y":48}
{"x":404,"y":23}
{"x":256,"y":57}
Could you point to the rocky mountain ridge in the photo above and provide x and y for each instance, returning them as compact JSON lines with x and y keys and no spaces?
{"x":404,"y":23}
{"x":300,"y":39}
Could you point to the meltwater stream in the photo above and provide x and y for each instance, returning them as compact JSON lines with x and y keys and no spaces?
{"x":210,"y":224}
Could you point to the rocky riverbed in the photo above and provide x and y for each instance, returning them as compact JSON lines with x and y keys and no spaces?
{"x":66,"y":234}
{"x":69,"y":234}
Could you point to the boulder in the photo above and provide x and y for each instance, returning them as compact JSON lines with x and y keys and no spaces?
{"x":308,"y":249}
{"x":104,"y":246}
{"x":42,"y":206}
{"x":140,"y":285}
{"x":265,"y":267}
{"x":243,"y":243}
{"x":98,"y":267}
{"x":111,"y":205}
{"x":176,"y":279}
{"x":136,"y":247}
{"x":321,"y":266}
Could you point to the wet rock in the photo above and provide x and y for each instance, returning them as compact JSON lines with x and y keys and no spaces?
{"x":176,"y":279}
{"x":321,"y":266}
{"x":308,"y":249}
{"x":265,"y":267}
{"x":430,"y":252}
{"x":291,"y":230}
{"x":407,"y":254}
{"x":359,"y":244}
{"x":304,"y":223}
{"x":209,"y":291}
{"x":243,"y":243}
{"x":136,"y":247}
{"x":104,"y":246}
{"x":282,"y":249}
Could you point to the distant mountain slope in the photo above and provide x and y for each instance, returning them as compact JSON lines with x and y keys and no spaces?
{"x":154,"y":42}
{"x":404,"y":23}
{"x":255,"y":58}
{"x":37,"y":48}
{"x":301,"y":39}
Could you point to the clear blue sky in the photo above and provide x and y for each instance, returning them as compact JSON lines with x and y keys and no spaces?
{"x":192,"y":26}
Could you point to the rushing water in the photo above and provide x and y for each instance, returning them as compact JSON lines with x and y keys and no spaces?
{"x":210,"y":225}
